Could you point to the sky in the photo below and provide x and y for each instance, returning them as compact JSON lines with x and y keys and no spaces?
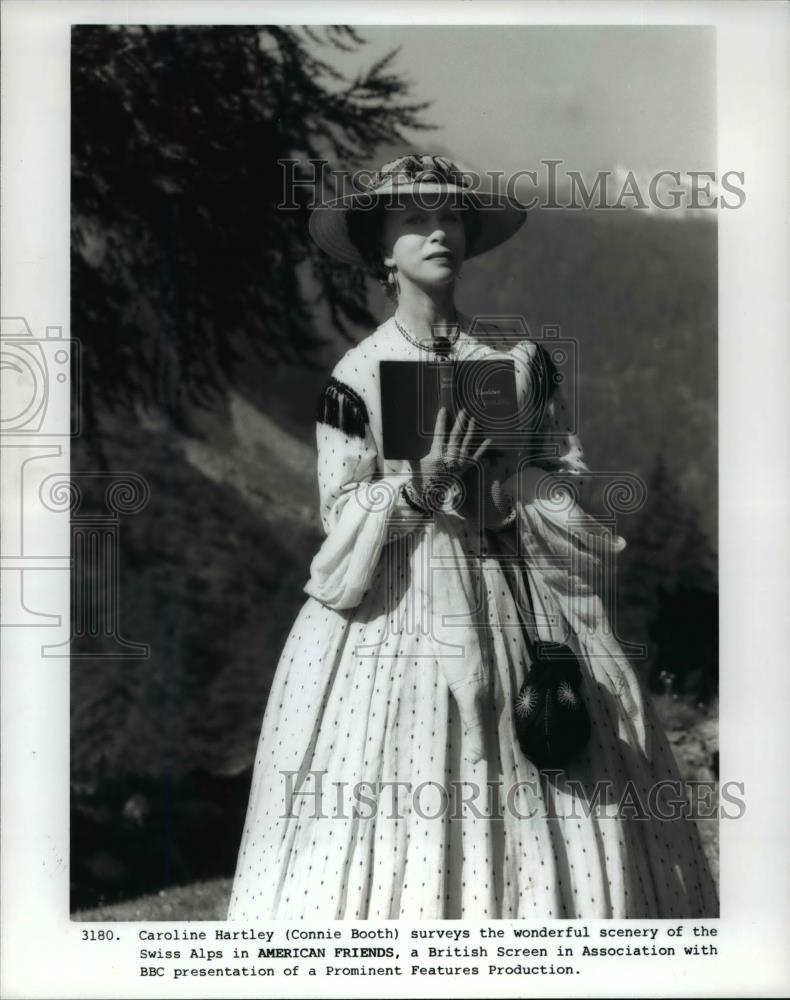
{"x":595,"y":97}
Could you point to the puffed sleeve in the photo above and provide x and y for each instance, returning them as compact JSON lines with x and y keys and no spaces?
{"x":549,"y":439}
{"x":568,"y":544}
{"x":357,"y":504}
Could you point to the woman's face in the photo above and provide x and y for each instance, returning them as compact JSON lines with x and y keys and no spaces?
{"x":425,"y":244}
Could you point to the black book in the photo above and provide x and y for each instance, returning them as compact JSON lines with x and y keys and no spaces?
{"x":413,"y":391}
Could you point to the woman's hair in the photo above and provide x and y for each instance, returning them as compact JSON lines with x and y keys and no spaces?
{"x":365,"y":226}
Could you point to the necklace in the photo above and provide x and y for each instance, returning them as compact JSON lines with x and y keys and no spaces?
{"x":440,"y":346}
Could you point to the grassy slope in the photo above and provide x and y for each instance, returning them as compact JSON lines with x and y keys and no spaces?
{"x":693,"y":738}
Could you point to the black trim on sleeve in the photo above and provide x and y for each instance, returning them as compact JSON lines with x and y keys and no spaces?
{"x":339,"y":406}
{"x":543,"y":381}
{"x":545,"y":369}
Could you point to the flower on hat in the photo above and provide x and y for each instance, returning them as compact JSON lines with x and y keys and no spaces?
{"x":415,"y":167}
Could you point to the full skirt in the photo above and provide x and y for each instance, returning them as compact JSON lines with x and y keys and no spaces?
{"x":365,"y":805}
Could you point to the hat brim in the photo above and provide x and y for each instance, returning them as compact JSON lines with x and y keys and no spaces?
{"x":500,"y":217}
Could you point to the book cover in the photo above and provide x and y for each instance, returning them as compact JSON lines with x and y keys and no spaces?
{"x":413,"y":391}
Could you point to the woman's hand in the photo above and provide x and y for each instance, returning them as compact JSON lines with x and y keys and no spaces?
{"x":451,"y":455}
{"x":485,"y":499}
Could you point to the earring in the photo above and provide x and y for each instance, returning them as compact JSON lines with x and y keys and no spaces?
{"x":392,"y":280}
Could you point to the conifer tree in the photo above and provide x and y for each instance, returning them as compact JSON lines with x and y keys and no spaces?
{"x":183,"y":266}
{"x":668,"y":588}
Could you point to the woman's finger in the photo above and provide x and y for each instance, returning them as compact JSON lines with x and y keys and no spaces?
{"x":482,"y":449}
{"x":439,"y":432}
{"x":453,"y":443}
{"x":471,"y":428}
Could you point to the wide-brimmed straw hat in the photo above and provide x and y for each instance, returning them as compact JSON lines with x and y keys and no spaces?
{"x":423,"y":177}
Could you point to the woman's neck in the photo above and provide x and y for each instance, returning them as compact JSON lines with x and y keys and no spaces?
{"x":426,"y":315}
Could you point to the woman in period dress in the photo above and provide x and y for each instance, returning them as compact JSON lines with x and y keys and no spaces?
{"x":389,"y":781}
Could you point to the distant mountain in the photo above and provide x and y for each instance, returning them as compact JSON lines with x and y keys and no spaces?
{"x":638,"y":296}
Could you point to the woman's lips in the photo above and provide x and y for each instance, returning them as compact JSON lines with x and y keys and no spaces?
{"x":446,"y":255}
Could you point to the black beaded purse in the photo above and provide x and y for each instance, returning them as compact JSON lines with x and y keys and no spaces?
{"x":552,"y":723}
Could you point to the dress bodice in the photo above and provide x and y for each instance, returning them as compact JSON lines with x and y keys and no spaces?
{"x":552,"y":443}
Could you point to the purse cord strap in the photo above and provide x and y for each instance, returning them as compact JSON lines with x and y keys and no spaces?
{"x":517,"y":578}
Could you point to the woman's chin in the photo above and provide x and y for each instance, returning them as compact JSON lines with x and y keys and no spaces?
{"x":438,"y":280}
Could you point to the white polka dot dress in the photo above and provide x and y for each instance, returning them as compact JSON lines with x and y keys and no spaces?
{"x":373,"y":795}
